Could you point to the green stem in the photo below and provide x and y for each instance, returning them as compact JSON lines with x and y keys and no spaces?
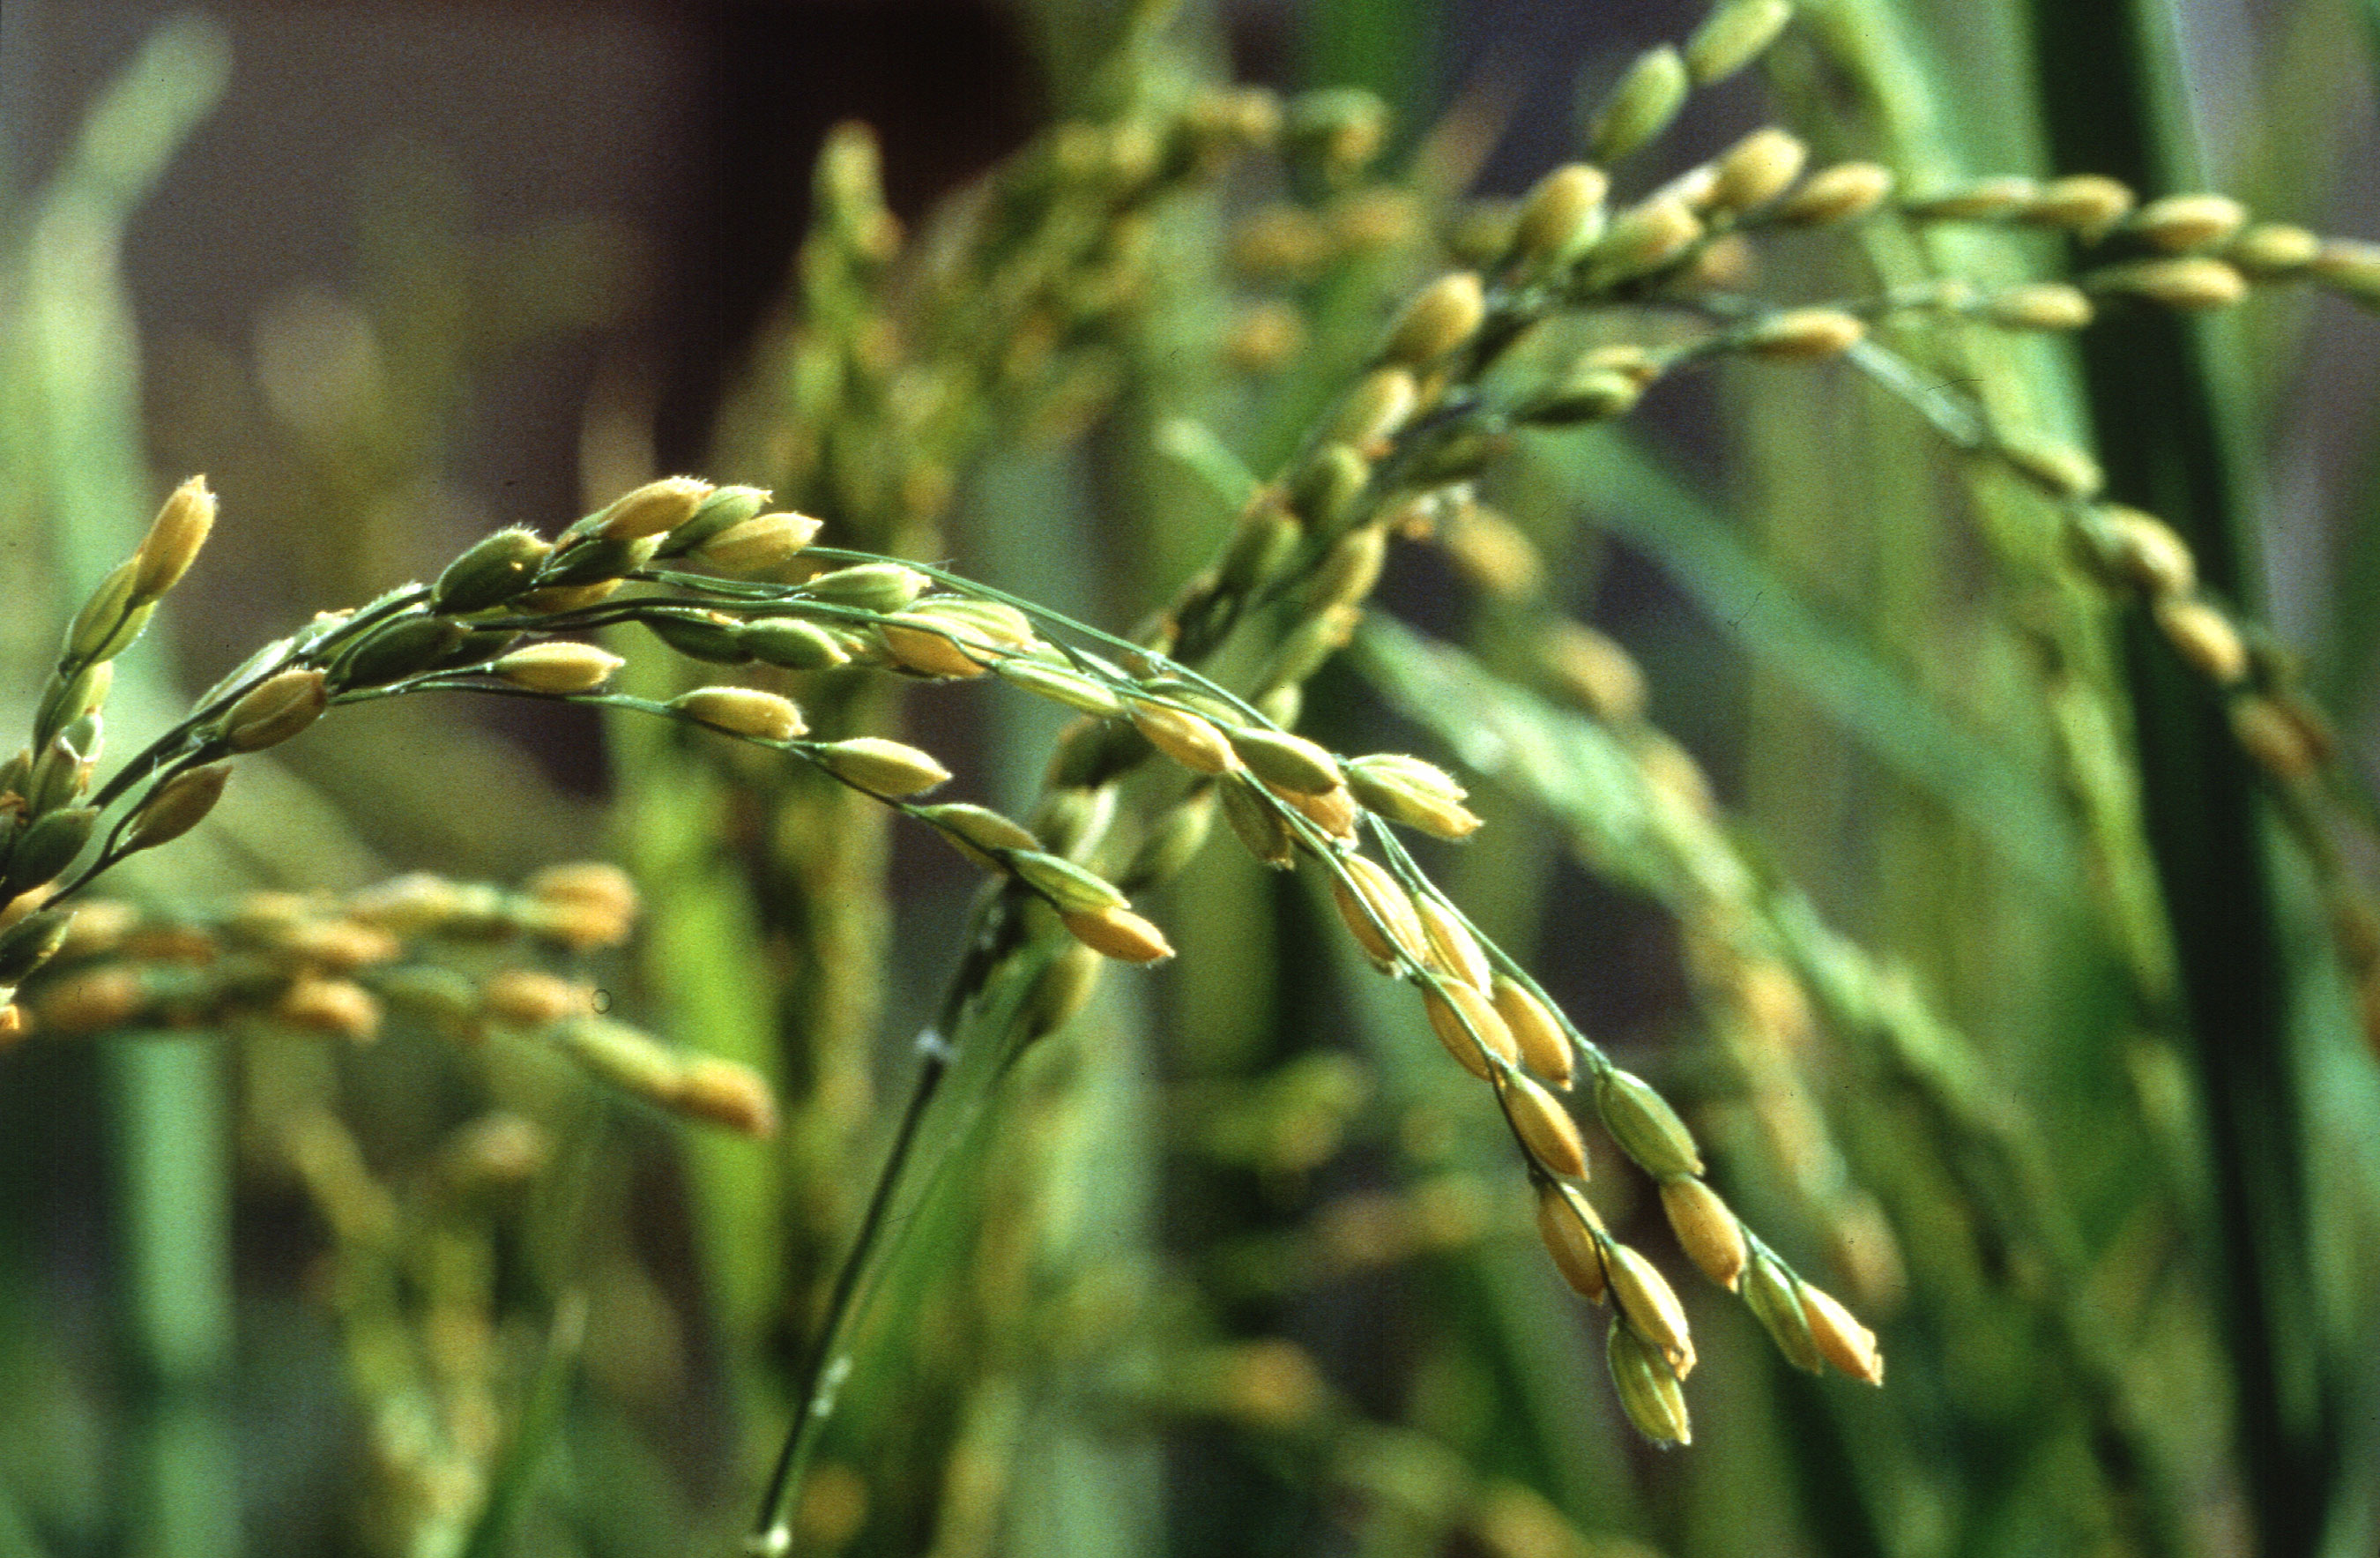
{"x":174,"y":1199}
{"x":824,"y":1368}
{"x":2164,"y":438}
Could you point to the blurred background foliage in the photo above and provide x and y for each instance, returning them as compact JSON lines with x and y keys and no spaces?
{"x":1963,"y":935}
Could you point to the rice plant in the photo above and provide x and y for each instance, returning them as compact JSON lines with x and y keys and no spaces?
{"x":1872,"y":1054}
